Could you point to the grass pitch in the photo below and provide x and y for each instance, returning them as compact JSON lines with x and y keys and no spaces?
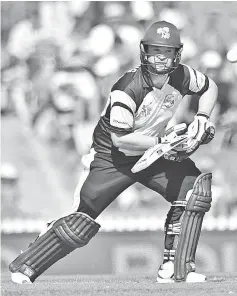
{"x":111,"y":285}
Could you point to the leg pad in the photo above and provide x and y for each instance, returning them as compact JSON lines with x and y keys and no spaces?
{"x":64,"y":236}
{"x":191,"y":223}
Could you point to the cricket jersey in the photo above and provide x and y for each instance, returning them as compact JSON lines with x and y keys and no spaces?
{"x":135,"y":107}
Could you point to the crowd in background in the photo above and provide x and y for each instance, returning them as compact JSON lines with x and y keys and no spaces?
{"x":60,"y":59}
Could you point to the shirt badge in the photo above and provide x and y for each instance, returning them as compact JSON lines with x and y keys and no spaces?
{"x":169,"y":101}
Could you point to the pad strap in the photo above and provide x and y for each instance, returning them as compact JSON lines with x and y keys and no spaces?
{"x":169,"y":255}
{"x":64,"y":236}
{"x":173,"y":228}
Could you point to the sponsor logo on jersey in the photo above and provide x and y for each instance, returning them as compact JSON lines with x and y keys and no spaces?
{"x":119,"y":122}
{"x":169,"y":101}
{"x":165,"y":32}
{"x":146,"y":109}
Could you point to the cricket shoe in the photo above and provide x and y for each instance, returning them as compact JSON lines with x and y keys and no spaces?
{"x":20,"y":278}
{"x":166,"y":275}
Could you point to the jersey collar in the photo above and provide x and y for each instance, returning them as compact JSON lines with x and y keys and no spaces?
{"x":144,"y":83}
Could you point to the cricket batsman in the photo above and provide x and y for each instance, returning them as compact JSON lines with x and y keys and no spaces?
{"x":139,"y":139}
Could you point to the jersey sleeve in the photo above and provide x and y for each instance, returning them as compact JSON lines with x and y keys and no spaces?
{"x":195,"y":82}
{"x":122,"y":112}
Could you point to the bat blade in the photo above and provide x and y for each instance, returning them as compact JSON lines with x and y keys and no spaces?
{"x":154,"y":153}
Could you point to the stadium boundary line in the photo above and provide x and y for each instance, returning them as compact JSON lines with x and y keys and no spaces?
{"x":118,"y":224}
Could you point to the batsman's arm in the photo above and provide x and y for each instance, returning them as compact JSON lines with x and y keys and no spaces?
{"x":134,"y":141}
{"x":178,"y":115}
{"x":207,"y":101}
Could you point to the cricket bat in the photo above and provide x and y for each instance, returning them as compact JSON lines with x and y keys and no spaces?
{"x":155,"y":152}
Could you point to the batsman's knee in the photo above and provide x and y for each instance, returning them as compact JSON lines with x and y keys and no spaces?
{"x":64,"y":235}
{"x":199,"y":199}
{"x":76,"y":230}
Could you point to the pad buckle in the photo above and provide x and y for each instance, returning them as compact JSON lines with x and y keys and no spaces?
{"x":179,"y":203}
{"x":174,"y":228}
{"x":169,"y":255}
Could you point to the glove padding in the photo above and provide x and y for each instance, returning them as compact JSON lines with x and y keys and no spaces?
{"x":166,"y":143}
{"x":200,"y":131}
{"x":179,"y":152}
{"x":173,"y":132}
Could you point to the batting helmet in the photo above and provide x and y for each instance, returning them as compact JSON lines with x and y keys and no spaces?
{"x":159,"y":34}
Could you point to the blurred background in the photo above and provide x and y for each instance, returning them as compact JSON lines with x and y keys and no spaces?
{"x":59,"y":61}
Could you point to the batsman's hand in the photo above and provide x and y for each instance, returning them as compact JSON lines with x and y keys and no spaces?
{"x":170,"y":140}
{"x":179,"y":152}
{"x":200,"y":131}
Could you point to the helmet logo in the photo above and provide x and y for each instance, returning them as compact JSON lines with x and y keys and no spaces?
{"x":165,"y":32}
